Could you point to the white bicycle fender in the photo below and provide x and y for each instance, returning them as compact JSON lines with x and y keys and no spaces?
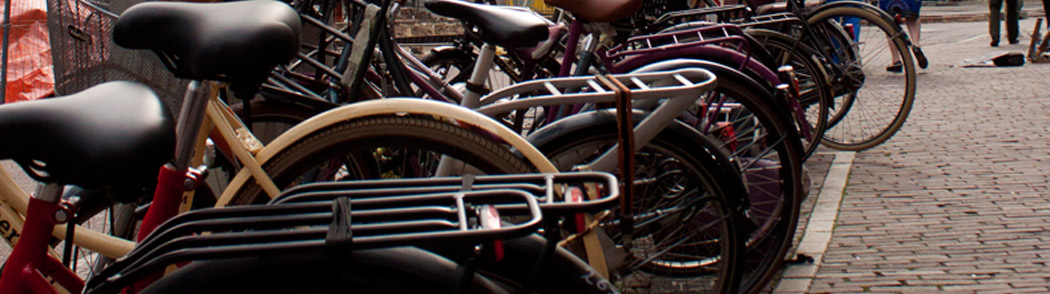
{"x":386,"y":107}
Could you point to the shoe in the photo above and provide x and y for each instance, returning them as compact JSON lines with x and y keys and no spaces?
{"x":1014,"y":42}
{"x":995,"y":42}
{"x":920,"y":57}
{"x":896,"y":67}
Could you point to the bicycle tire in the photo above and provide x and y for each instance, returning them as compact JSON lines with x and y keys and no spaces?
{"x":368,"y":137}
{"x":715,"y":269}
{"x":387,"y":270}
{"x":815,"y":94}
{"x":775,"y":197}
{"x":863,"y":126}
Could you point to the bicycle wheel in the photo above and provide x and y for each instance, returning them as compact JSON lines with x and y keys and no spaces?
{"x":456,"y":66}
{"x":379,"y":148}
{"x":872,"y":101}
{"x":387,"y":270}
{"x":815,"y":96}
{"x":763,"y":141}
{"x":685,"y":231}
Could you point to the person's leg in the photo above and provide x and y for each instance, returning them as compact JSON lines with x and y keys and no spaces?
{"x":913,"y":24}
{"x":1012,"y":32}
{"x":1046,"y":6}
{"x":993,"y":20}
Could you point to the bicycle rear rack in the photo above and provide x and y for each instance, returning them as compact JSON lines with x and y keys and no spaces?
{"x":725,"y":35}
{"x":774,"y":21}
{"x":548,"y":189}
{"x":722,"y":12}
{"x":689,"y":82}
{"x":360,"y":215}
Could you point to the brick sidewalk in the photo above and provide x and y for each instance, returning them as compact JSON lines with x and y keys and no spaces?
{"x":956,"y":201}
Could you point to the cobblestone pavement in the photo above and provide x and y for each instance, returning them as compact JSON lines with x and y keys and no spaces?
{"x":956,"y":201}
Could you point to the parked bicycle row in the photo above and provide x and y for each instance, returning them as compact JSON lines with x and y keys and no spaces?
{"x":702,"y":123}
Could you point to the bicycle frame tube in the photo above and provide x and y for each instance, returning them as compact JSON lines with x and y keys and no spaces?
{"x":479,"y":76}
{"x":436,"y":86}
{"x":29,"y":262}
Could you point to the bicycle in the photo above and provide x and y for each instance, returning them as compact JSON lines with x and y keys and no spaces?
{"x":185,"y":10}
{"x":775,"y":220}
{"x":204,"y":112}
{"x":852,"y":58}
{"x":758,"y":168}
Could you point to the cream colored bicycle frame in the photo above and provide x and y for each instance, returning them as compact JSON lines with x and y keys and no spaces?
{"x":13,"y":199}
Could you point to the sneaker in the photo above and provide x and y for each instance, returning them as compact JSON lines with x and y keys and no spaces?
{"x":896,"y":67}
{"x":920,"y":57}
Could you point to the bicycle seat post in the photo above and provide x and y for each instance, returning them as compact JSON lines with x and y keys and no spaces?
{"x":476,"y":82}
{"x":190,"y":118}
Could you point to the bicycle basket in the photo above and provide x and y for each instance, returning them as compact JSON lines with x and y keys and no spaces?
{"x":84,"y":54}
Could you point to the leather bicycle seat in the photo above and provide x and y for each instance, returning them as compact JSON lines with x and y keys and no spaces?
{"x":598,"y":10}
{"x":505,"y":26}
{"x":234,"y":41}
{"x":117,"y":133}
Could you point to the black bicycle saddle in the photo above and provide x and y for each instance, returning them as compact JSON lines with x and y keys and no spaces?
{"x":117,"y":133}
{"x":506,"y":26}
{"x":234,"y":41}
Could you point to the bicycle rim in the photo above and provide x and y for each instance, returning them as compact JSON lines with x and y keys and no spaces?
{"x":871,"y":103}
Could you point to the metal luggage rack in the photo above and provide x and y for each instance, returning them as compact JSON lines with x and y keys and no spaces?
{"x":774,"y":21}
{"x":690,"y":82}
{"x":549,"y":189}
{"x":342,"y":223}
{"x":726,"y":35}
{"x":722,"y":12}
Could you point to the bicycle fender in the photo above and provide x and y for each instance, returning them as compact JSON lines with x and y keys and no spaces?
{"x":390,"y":106}
{"x":719,"y":69}
{"x":725,"y":56}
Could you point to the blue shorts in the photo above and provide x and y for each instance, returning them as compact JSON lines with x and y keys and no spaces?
{"x":906,"y":8}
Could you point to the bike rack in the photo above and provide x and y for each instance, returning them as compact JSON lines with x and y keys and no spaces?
{"x":359,"y":215}
{"x":682,"y":16}
{"x":548,"y":189}
{"x":689,"y":82}
{"x":725,"y":35}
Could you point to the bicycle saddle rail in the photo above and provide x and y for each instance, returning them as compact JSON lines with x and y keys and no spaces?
{"x":336,"y":225}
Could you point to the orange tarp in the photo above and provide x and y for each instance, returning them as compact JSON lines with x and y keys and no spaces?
{"x":29,"y":72}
